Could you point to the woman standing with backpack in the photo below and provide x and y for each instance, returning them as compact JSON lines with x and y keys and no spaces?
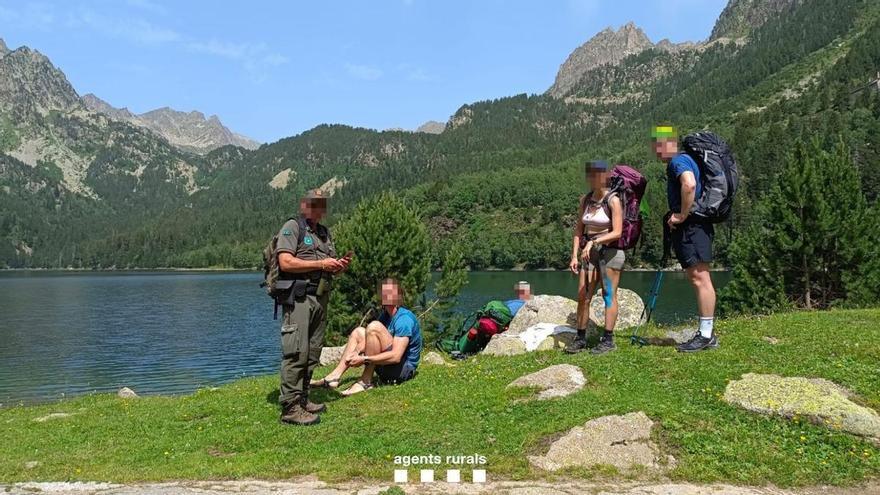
{"x":599,"y":225}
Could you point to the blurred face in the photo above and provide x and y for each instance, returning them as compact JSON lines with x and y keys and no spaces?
{"x":598,"y":178}
{"x":665,"y":149}
{"x":523,"y":291}
{"x":313,"y":209}
{"x":389,"y":292}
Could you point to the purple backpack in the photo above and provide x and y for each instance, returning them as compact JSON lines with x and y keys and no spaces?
{"x":629,"y":185}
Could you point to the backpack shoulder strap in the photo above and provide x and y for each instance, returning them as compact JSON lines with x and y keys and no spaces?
{"x":303,"y":227}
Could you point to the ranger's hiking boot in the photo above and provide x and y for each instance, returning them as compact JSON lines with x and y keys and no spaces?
{"x":294,"y":413}
{"x":605,"y":345}
{"x":579,"y":344}
{"x":699,"y":343}
{"x":314,"y":407}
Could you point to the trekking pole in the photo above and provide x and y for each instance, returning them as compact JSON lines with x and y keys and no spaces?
{"x":636,"y":338}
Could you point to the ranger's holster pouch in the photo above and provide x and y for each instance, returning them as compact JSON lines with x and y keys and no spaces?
{"x":289,"y":291}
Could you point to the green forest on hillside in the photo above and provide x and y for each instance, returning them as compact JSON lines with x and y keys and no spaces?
{"x":502,"y":180}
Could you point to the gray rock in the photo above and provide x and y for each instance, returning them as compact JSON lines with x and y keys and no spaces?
{"x":620,"y":441}
{"x":504,"y":345}
{"x":560,"y":310}
{"x":630,"y":309}
{"x":331,"y":355}
{"x":433,"y":358}
{"x":127,"y":393}
{"x":682,"y":335}
{"x":770,"y":340}
{"x":558,"y":341}
{"x":555,"y":381}
{"x":31,"y":464}
{"x":544,"y":309}
{"x":819,"y":401}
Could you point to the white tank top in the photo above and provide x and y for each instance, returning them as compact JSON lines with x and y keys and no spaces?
{"x":595,"y":218}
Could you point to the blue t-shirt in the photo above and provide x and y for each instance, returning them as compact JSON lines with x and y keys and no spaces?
{"x":405,"y":324}
{"x":514,"y":305}
{"x":677,"y":166}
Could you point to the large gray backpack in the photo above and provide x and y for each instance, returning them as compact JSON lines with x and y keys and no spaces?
{"x":719,"y":175}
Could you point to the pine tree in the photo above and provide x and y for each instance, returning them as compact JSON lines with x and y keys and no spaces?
{"x":388,"y":239}
{"x":809,"y":239}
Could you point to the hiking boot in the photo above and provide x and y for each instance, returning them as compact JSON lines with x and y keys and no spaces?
{"x":295,"y":414}
{"x":579,"y":344}
{"x":314,"y":407}
{"x":699,"y":343}
{"x":605,"y":345}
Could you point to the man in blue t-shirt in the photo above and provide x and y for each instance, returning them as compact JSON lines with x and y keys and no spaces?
{"x":391,"y":346}
{"x":690,"y":238}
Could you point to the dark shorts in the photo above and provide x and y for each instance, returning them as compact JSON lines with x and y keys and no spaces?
{"x":395,"y":373}
{"x":692,"y":243}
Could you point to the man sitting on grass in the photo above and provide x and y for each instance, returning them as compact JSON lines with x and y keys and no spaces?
{"x":391,"y":345}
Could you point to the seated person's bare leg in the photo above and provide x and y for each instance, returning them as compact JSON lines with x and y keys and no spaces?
{"x":354,"y":346}
{"x":378,"y":339}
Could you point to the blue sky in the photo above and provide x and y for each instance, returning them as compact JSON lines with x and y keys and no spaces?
{"x":274,"y":69}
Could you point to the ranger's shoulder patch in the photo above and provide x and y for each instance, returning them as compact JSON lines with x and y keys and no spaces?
{"x":286,"y":232}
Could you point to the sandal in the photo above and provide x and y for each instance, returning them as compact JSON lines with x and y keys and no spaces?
{"x":325,"y":383}
{"x":363,"y":388}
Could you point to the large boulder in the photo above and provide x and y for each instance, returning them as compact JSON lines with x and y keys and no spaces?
{"x":630,"y":308}
{"x":560,"y":310}
{"x":554,"y":381}
{"x":544,"y":309}
{"x":505,"y":345}
{"x":331,"y":355}
{"x":620,"y":441}
{"x":819,"y":401}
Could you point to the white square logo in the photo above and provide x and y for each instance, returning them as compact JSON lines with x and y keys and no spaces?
{"x":453,"y":476}
{"x":479,"y":475}
{"x":427,"y":476}
{"x":401,"y":476}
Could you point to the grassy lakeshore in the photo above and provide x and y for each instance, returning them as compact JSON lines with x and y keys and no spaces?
{"x":233,"y":432}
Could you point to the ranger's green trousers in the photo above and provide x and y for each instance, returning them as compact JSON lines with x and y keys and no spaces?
{"x":302,"y":337}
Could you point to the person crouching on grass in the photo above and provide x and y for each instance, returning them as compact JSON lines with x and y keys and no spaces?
{"x":391,"y":346}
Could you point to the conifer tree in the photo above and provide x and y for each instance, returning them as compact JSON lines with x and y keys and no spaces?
{"x":810,"y":237}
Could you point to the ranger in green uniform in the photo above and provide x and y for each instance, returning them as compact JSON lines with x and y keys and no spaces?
{"x":307,"y":262}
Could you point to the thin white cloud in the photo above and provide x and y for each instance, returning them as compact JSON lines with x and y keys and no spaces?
{"x":32,"y":16}
{"x":364,"y":72}
{"x":256,"y":58}
{"x":135,"y":30}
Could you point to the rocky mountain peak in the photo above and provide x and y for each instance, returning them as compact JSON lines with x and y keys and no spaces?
{"x":432,"y":127}
{"x":3,"y":48}
{"x":30,"y":85}
{"x":740,"y":17}
{"x":191,"y":130}
{"x":606,"y":47}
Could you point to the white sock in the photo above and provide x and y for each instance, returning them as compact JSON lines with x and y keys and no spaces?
{"x":706,"y":326}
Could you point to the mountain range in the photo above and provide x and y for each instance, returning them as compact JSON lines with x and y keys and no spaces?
{"x":86,"y":184}
{"x":190,"y":131}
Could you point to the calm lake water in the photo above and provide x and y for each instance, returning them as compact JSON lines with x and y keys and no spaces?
{"x":64,"y":334}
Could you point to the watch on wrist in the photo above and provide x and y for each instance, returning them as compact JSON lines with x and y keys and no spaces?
{"x":367,"y":360}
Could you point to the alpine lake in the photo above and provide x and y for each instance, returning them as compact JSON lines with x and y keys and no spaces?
{"x":70,"y":333}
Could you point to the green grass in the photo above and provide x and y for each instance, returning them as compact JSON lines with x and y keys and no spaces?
{"x":233,"y":431}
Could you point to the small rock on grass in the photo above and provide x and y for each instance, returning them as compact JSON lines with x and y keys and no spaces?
{"x":817,"y":400}
{"x":504,"y":345}
{"x":126,"y":393}
{"x":31,"y":464}
{"x":434,"y":358}
{"x":555,"y":381}
{"x":620,"y":441}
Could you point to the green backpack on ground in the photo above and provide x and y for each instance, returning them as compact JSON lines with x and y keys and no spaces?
{"x":458,"y":343}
